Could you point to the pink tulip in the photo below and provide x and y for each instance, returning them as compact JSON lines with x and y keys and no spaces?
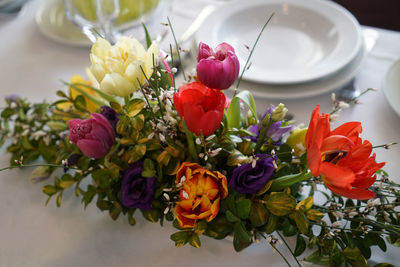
{"x":93,"y":136}
{"x":217,"y":69}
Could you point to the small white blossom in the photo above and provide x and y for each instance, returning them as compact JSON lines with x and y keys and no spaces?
{"x":25,"y":132}
{"x":13,"y":105}
{"x":183,"y":179}
{"x":215,"y":152}
{"x":166,"y":196}
{"x":337,"y":224}
{"x":162,"y":138}
{"x":208,"y":139}
{"x":337,"y":214}
{"x":334,"y":117}
{"x":174,"y":70}
{"x":185,"y":194}
{"x":198,"y":141}
{"x":353,"y":213}
{"x":343,"y":105}
{"x":166,"y":210}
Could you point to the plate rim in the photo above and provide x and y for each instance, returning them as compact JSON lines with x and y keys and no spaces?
{"x":393,"y":65}
{"x":314,"y":88}
{"x":216,"y":18}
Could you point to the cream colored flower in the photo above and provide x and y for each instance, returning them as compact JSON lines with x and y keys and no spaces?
{"x":117,"y":67}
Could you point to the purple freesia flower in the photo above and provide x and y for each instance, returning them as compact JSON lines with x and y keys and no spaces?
{"x":110,"y":115}
{"x":275,"y":130}
{"x":137,"y":191}
{"x":247,"y":179}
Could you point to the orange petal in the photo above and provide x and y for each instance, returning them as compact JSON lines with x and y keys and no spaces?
{"x":314,"y":160}
{"x":183,"y":221}
{"x":336,"y":142}
{"x":214,"y":210}
{"x":336,"y":175}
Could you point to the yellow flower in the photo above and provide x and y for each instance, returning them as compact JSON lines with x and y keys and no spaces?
{"x":117,"y":68}
{"x":73,"y":93}
{"x":297,"y":141}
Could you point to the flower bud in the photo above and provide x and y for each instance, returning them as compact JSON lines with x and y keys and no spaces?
{"x":217,"y":69}
{"x":279,"y":112}
{"x":297,"y":141}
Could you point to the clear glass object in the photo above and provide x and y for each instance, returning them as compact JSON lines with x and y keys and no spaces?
{"x":110,"y":18}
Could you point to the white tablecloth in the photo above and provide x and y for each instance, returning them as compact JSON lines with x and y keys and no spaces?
{"x":34,"y":235}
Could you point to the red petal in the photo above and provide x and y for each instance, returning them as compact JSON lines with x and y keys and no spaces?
{"x":350,"y":129}
{"x":336,"y":175}
{"x":354,"y":193}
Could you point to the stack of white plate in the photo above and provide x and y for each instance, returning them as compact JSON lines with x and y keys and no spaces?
{"x":310,"y":47}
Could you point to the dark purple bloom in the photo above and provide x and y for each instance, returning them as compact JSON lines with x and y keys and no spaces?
{"x":275,"y":130}
{"x":248,"y":180}
{"x":71,"y":161}
{"x":111,"y":115}
{"x":137,"y":191}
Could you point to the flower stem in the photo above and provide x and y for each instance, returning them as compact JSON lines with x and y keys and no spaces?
{"x":287,"y":245}
{"x":251,"y":53}
{"x":35,"y":165}
{"x":283,"y":257}
{"x":177,"y":48}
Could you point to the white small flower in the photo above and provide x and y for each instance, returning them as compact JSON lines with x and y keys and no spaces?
{"x":166,"y":210}
{"x":343,"y":105}
{"x":334,"y":117}
{"x":174,"y":70}
{"x":198,"y":141}
{"x":337,"y":214}
{"x":386,"y":216}
{"x":25,"y":133}
{"x":162,"y":138}
{"x":151,"y":135}
{"x":353,"y":213}
{"x":337,"y":224}
{"x":183,"y":178}
{"x":333,"y":97}
{"x":166,"y":196}
{"x":215,"y":152}
{"x":13,"y":105}
{"x":253,"y":163}
{"x":185,"y":194}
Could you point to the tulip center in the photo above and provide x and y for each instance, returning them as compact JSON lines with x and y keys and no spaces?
{"x":81,"y":131}
{"x":333,"y":156}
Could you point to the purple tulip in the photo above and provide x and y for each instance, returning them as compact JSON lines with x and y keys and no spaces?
{"x":247,"y":179}
{"x":136,"y":190}
{"x":93,"y":136}
{"x":217,"y":69}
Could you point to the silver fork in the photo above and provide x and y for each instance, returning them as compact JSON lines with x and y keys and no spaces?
{"x":350,"y":91}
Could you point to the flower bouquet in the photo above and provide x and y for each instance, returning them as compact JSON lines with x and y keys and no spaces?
{"x":209,"y":164}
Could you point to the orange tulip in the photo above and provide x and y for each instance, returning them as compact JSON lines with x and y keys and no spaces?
{"x":201,"y":194}
{"x":341,"y":157}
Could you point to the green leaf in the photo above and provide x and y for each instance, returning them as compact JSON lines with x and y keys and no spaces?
{"x":61,"y":94}
{"x":300,"y":246}
{"x":241,"y":232}
{"x":194,"y":240}
{"x":49,"y":190}
{"x":115,"y":211}
{"x":243,"y":208}
{"x":231,"y":217}
{"x":354,"y":256}
{"x":384,"y":264}
{"x":258,"y":214}
{"x":103,"y":204}
{"x":152,"y":215}
{"x":288,"y":180}
{"x":58,"y":201}
{"x":248,"y":98}
{"x":272,"y":224}
{"x":189,"y":138}
{"x":88,"y":195}
{"x":301,"y":222}
{"x":57,"y":126}
{"x":285,"y":153}
{"x":135,"y":106}
{"x":219,"y":228}
{"x":148,"y":168}
{"x":148,"y":38}
{"x":381,"y":243}
{"x":239,"y":245}
{"x":200,"y":227}
{"x":280,"y":204}
{"x":80,"y":103}
{"x":317,"y":258}
{"x":180,"y":238}
{"x":236,"y":157}
{"x":233,"y":113}
{"x":117,"y":107}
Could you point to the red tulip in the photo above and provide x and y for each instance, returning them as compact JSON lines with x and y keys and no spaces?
{"x":202,"y":107}
{"x":93,"y":136}
{"x":341,"y":157}
{"x":217,"y":69}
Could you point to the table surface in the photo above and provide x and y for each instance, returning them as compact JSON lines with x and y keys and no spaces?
{"x":32,"y":234}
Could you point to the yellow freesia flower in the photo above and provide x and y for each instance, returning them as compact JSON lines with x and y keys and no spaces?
{"x":73,"y":93}
{"x":297,"y":141}
{"x":117,"y":68}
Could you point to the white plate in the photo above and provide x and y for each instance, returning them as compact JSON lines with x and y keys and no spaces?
{"x":305,"y":40}
{"x":391,"y":86}
{"x":321,"y":86}
{"x":54,"y":24}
